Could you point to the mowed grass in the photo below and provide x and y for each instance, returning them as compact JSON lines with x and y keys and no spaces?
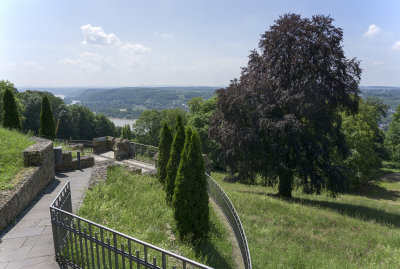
{"x":358,"y":230}
{"x":135,"y":205}
{"x":12,"y":144}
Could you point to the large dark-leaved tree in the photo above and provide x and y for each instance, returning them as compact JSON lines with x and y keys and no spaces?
{"x":281,"y":119}
{"x":10,"y":113}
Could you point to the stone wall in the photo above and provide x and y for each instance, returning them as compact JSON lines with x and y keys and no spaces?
{"x":121,"y":147}
{"x":69,"y":164}
{"x":13,"y":202}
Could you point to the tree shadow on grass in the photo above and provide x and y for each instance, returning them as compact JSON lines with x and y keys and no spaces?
{"x":355,"y":211}
{"x":373,"y":191}
{"x":204,"y":248}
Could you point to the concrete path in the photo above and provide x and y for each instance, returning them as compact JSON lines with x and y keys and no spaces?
{"x":130,"y":162}
{"x":29,"y":243}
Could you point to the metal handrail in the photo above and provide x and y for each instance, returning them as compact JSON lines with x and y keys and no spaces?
{"x":68,"y":238}
{"x":216,"y":192}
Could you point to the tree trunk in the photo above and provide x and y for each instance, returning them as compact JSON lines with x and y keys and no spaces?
{"x":285,"y":184}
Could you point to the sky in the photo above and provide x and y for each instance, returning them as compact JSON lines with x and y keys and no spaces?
{"x":103,"y":43}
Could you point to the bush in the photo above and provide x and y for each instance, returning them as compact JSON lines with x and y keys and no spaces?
{"x":174,"y":159}
{"x":190,"y":199}
{"x":10,"y":113}
{"x":47,"y":125}
{"x":164,"y":152}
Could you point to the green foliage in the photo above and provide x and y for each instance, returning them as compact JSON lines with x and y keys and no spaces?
{"x":10,"y":113}
{"x":47,"y":125}
{"x":164,"y":150}
{"x":175,"y":158}
{"x":361,"y":131}
{"x":199,"y":118}
{"x":147,"y":128}
{"x":190,"y":199}
{"x":12,"y":143}
{"x":5,"y":84}
{"x":392,"y":140}
{"x":126,"y":132}
{"x":134,"y":205}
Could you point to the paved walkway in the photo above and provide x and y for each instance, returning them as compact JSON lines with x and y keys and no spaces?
{"x":29,"y":243}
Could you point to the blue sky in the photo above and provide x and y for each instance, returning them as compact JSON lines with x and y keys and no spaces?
{"x":136,"y":43}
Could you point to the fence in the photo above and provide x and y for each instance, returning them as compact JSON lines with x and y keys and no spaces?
{"x":80,"y":243}
{"x":144,"y":153}
{"x":223,"y":201}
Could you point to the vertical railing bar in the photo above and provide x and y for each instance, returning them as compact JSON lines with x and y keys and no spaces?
{"x":102,"y":246}
{"x":130,"y":253}
{"x":123,"y":256}
{"x":164,"y":265}
{"x":184,"y":264}
{"x":138,"y":257}
{"x":116,"y":248}
{"x":109,"y":252}
{"x":80,"y":243}
{"x":145,"y":256}
{"x":66,"y":240}
{"x":154,"y":261}
{"x":91,"y":245}
{"x":71,"y":239}
{"x":86,"y":249}
{"x":76,"y":244}
{"x":97,"y":251}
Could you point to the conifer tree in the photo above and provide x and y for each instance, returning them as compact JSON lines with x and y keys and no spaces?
{"x":47,"y":125}
{"x":164,"y":150}
{"x":10,"y":113}
{"x":126,"y":132}
{"x":174,"y":159}
{"x":190,"y":199}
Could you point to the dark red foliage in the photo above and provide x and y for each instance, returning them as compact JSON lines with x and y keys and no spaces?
{"x":281,"y":118}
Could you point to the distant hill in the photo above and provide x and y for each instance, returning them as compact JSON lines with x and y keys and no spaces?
{"x":129,"y":102}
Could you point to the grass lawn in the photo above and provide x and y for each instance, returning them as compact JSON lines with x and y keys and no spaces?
{"x":12,"y":144}
{"x":135,"y":205}
{"x":67,"y":147}
{"x":358,"y":230}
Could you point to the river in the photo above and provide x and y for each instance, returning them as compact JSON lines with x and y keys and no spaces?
{"x":122,"y":122}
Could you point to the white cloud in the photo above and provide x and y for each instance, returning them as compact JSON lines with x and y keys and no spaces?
{"x":378,"y":63}
{"x":135,"y":48}
{"x":164,"y":35}
{"x":373,"y":30}
{"x":96,"y":35}
{"x":91,"y":62}
{"x":31,"y":65}
{"x":396,"y":45}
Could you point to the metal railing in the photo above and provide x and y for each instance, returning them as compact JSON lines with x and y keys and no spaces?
{"x":80,"y":243}
{"x":222,"y":200}
{"x":144,"y":153}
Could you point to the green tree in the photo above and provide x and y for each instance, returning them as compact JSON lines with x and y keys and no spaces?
{"x":360,"y":132}
{"x":126,"y":132}
{"x":281,"y":119}
{"x":5,"y":84}
{"x":190,"y":199}
{"x":164,"y":149}
{"x":147,"y":127}
{"x":199,"y":118}
{"x":10,"y":113}
{"x":47,"y":125}
{"x":175,"y":158}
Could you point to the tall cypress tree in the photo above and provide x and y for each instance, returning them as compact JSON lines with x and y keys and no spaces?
{"x":10,"y":113}
{"x":164,"y":150}
{"x":47,"y":125}
{"x":174,"y":159}
{"x":190,"y":199}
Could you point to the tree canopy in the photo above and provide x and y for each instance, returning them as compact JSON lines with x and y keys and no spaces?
{"x":281,"y":118}
{"x":10,"y":113}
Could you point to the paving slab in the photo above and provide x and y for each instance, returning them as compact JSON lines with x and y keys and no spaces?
{"x":29,"y":242}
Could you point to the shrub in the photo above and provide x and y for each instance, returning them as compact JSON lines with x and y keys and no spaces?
{"x":190,"y":199}
{"x":164,"y":152}
{"x":47,"y":125}
{"x":10,"y":113}
{"x":174,"y":159}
